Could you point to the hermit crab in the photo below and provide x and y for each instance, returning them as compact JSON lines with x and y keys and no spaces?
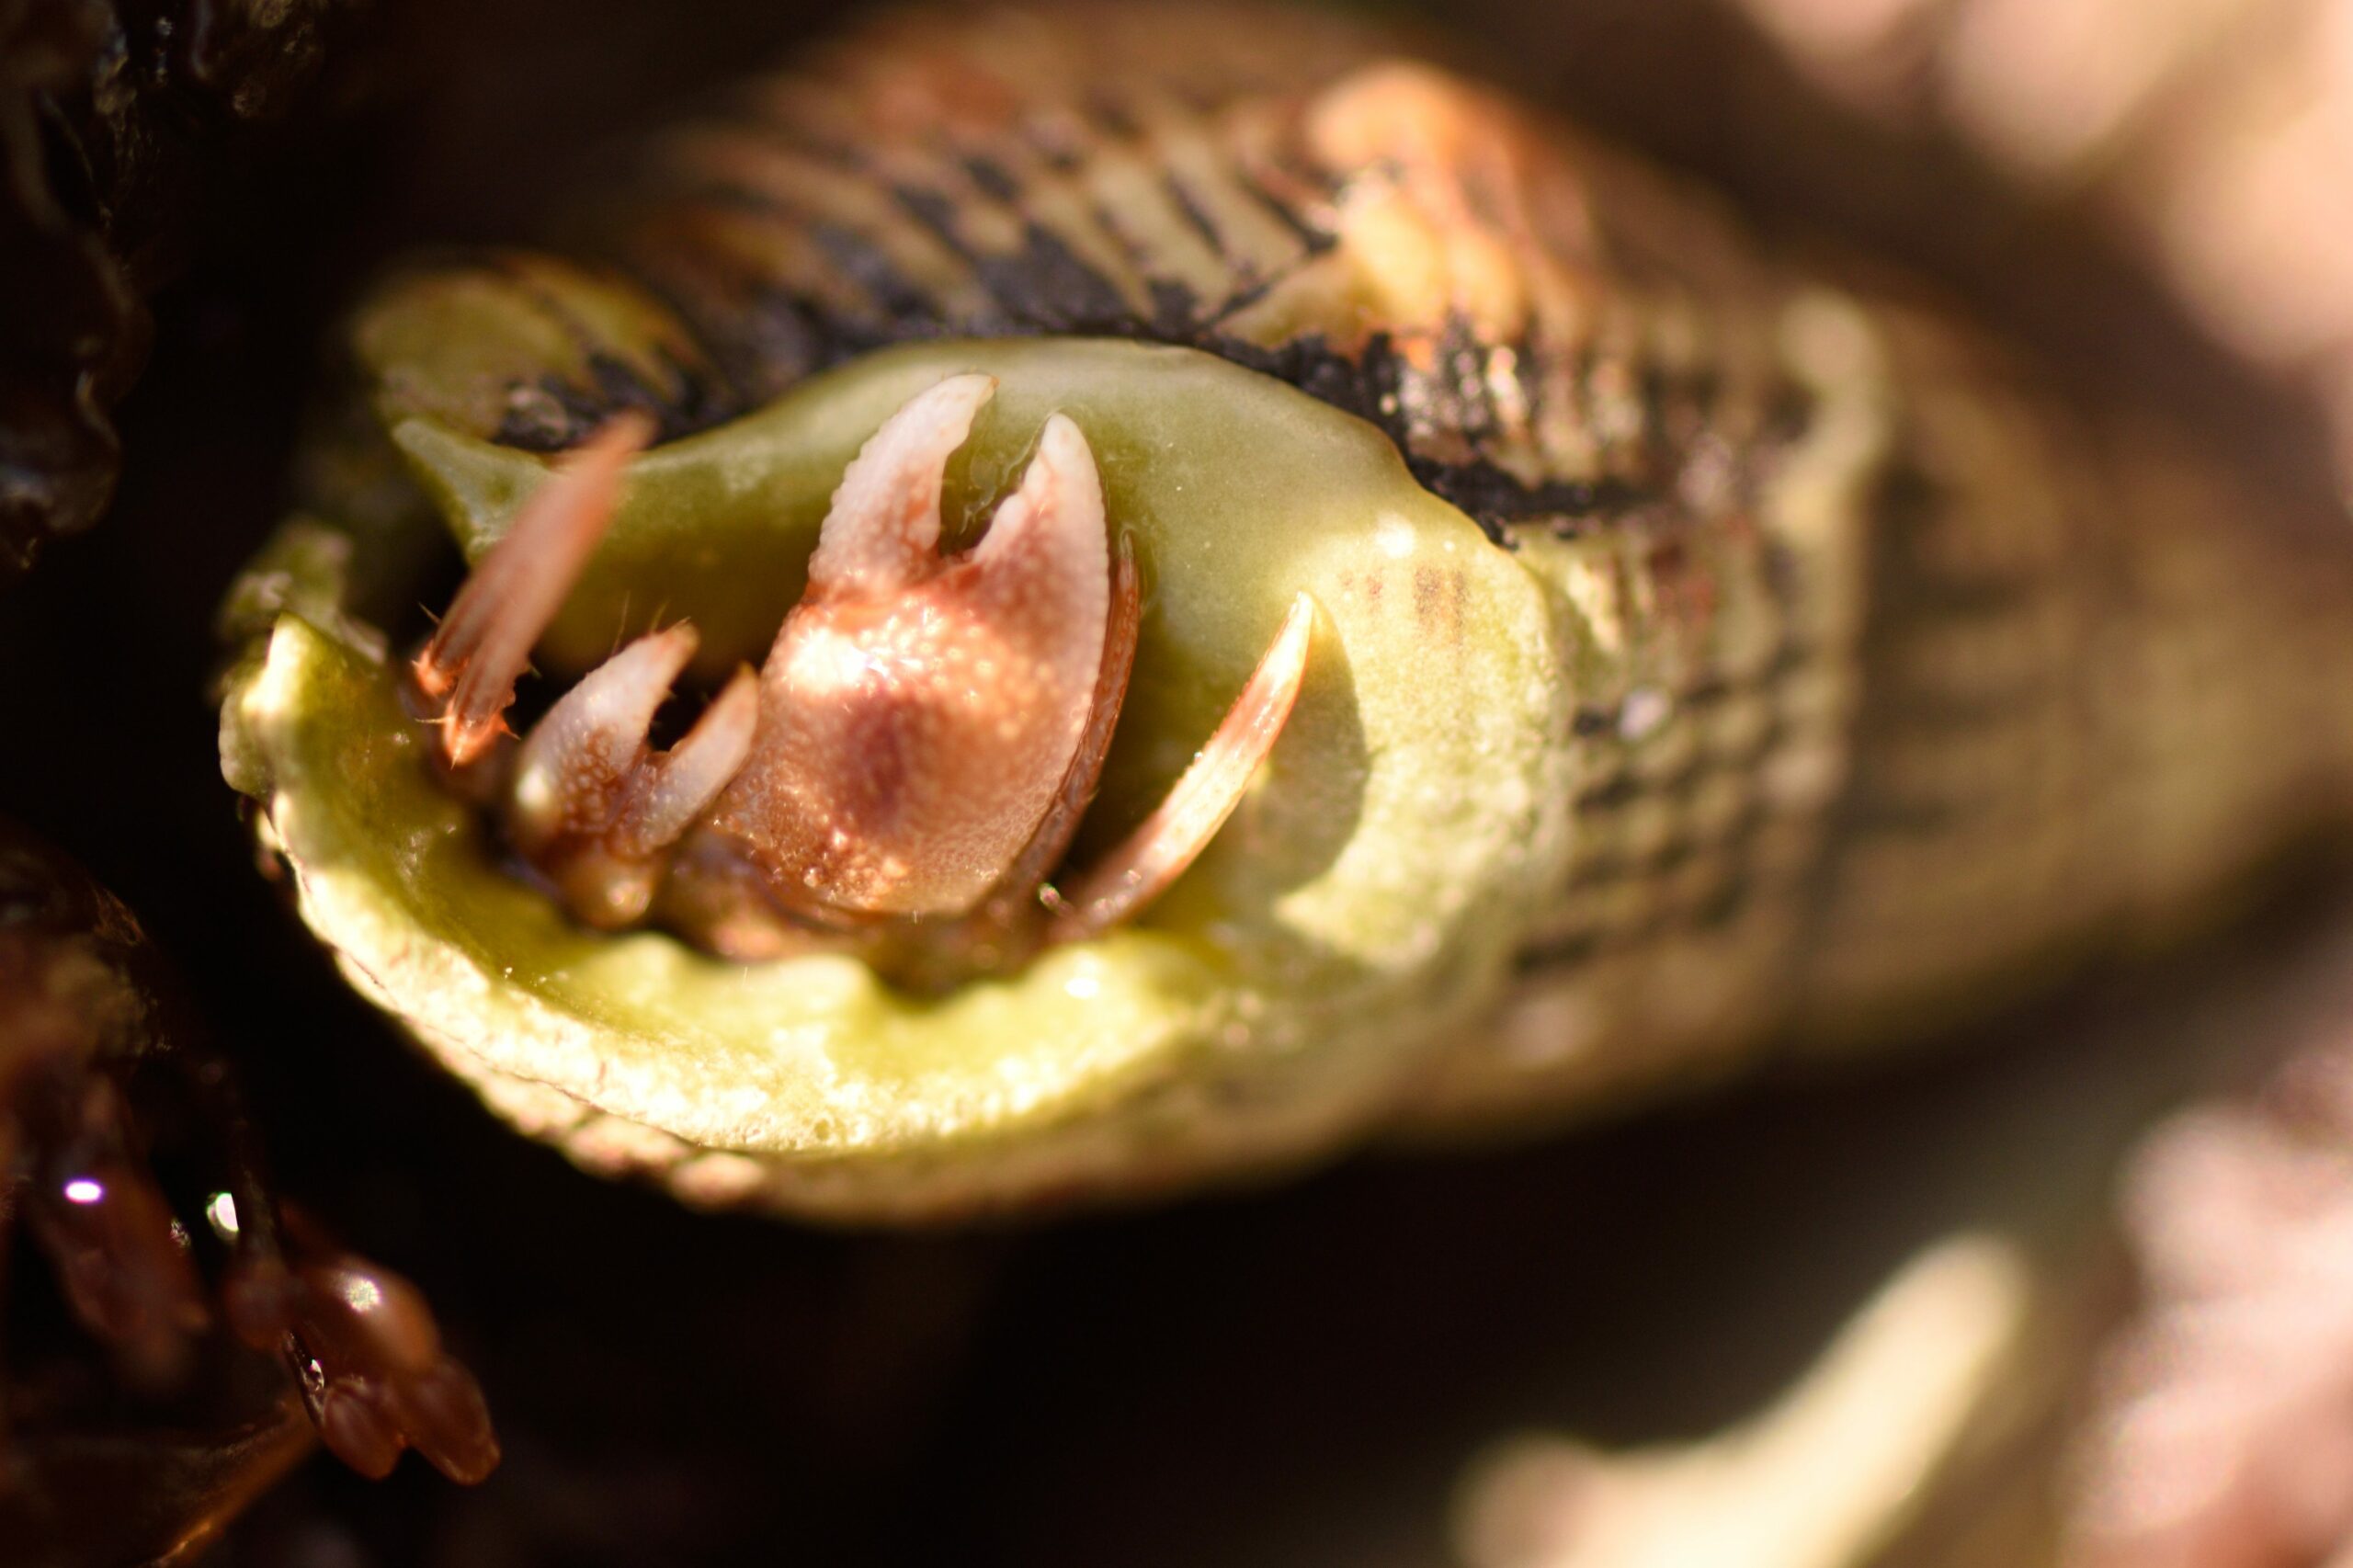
{"x":915,"y":754}
{"x":1294,"y":598}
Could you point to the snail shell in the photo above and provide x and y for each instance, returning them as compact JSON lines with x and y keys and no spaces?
{"x":1885,"y":681}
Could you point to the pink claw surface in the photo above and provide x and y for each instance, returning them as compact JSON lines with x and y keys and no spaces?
{"x":670,"y":793}
{"x":577,"y":762}
{"x":919,"y":713}
{"x":1021,"y":885}
{"x":882,"y":530}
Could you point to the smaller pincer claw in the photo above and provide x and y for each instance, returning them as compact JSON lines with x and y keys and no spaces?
{"x":594,"y":806}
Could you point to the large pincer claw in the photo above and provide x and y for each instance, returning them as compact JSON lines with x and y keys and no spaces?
{"x":919,"y":713}
{"x":594,"y":806}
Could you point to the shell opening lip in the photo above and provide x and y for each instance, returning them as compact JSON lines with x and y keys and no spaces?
{"x":903,"y":776}
{"x":1369,"y":888}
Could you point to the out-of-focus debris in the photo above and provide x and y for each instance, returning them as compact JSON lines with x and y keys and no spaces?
{"x":2214,"y":136}
{"x":2224,"y":1430}
{"x":133,"y":1426}
{"x":1820,"y":1480}
{"x":2004,"y":1393}
{"x":119,"y":121}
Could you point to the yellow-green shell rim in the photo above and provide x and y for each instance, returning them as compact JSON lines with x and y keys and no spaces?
{"x":1368,"y":893}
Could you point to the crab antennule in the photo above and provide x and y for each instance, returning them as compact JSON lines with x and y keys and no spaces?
{"x":1156,"y":853}
{"x":483,"y":644}
{"x":670,"y":792}
{"x":580,"y":759}
{"x":883,"y":526}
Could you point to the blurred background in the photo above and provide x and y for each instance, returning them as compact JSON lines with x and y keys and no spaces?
{"x":1507,"y":1357}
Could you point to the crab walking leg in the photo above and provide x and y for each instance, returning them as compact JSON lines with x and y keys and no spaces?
{"x":1156,"y":853}
{"x":483,"y":644}
{"x":919,"y":713}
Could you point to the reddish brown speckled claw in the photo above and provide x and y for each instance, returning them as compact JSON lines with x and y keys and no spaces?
{"x":919,"y":711}
{"x":594,"y":807}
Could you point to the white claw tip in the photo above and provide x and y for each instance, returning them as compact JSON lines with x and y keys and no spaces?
{"x":883,"y":525}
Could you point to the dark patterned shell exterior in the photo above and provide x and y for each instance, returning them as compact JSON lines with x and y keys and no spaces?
{"x":1899,"y":682}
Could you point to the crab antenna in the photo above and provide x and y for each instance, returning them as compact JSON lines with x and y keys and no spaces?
{"x":1169,"y":840}
{"x":483,"y":644}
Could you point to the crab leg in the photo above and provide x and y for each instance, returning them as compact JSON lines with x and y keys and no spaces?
{"x":1167,"y":841}
{"x":483,"y":644}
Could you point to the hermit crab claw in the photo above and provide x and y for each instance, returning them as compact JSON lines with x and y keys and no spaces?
{"x":594,"y":806}
{"x":919,"y":713}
